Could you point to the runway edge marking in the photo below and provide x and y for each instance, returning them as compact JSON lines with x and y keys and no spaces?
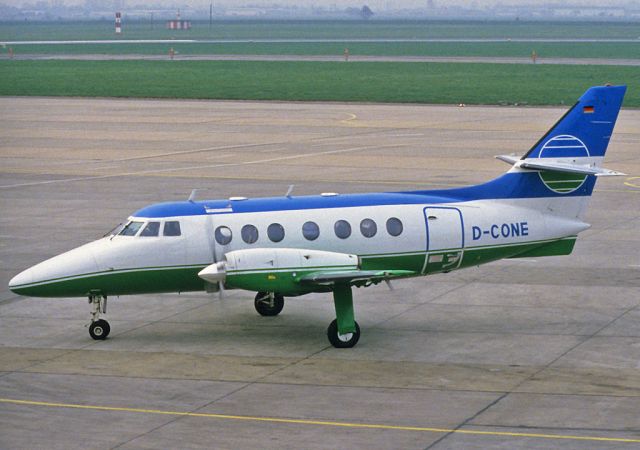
{"x":314,"y":422}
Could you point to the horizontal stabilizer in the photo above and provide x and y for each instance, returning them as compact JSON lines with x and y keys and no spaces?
{"x":558,"y":166}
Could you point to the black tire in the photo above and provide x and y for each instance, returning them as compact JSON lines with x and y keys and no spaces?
{"x":342,"y":341}
{"x":99,"y":330}
{"x":266,"y":307}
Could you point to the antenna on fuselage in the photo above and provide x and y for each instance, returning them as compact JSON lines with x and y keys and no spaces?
{"x":289,"y":191}
{"x":192,"y":196}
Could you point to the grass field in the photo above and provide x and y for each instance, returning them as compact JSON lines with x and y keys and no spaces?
{"x":620,"y":50}
{"x":316,"y":81}
{"x":379,"y":29}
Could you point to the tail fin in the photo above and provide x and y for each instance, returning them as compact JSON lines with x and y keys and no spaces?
{"x":567,"y":159}
{"x":585,"y":130}
{"x":575,"y":146}
{"x":563,"y":165}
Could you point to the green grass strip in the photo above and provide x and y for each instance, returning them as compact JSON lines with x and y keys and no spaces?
{"x":436,"y":83}
{"x":318,"y":29}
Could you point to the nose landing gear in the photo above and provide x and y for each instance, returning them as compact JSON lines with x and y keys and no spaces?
{"x":98,"y":328}
{"x":268,"y":303}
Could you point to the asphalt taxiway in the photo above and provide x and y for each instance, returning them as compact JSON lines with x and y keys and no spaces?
{"x":535,"y":353}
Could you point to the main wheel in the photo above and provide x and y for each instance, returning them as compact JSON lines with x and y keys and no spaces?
{"x":268,"y":303}
{"x":99,"y":330}
{"x":338,"y":340}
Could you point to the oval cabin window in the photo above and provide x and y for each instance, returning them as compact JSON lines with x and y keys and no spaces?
{"x":275,"y":231}
{"x":342,"y":229}
{"x":223,"y":235}
{"x":394,"y":226}
{"x":310,"y":231}
{"x":249,"y":234}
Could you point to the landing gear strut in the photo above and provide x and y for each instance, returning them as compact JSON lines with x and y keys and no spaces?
{"x":268,"y":303}
{"x":98,"y":328}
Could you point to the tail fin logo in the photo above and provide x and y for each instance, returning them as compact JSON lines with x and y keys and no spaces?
{"x":563,"y":146}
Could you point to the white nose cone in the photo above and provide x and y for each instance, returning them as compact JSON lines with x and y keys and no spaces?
{"x":51,"y":278}
{"x":215,"y":273}
{"x":24,"y":277}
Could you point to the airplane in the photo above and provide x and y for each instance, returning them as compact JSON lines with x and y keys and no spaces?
{"x":293,"y":245}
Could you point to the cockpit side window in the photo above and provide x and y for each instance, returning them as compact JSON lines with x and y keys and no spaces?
{"x":131,"y":229}
{"x":171,"y":228}
{"x":152,"y":229}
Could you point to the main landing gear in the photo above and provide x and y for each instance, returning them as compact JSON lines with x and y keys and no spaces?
{"x":98,"y":328}
{"x":344,"y":332}
{"x":268,"y":303}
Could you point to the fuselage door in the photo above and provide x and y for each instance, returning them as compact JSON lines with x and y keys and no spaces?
{"x":445,"y":239}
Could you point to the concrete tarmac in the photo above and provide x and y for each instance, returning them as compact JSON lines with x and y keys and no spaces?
{"x":520,"y":354}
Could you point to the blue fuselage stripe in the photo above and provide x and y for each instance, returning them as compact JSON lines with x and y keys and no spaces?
{"x":507,"y":186}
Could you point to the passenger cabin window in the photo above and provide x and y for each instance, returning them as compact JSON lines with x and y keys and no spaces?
{"x":152,"y":229}
{"x":310,"y":231}
{"x":342,"y":229}
{"x":249,"y":234}
{"x":171,"y":228}
{"x":131,"y":229}
{"x":394,"y":226}
{"x":223,"y":235}
{"x":368,"y":228}
{"x":275,"y":231}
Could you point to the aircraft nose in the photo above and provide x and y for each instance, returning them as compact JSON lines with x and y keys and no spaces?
{"x":55,"y":276}
{"x":24,"y":277}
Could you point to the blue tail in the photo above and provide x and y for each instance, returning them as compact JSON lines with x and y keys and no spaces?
{"x":564,"y":163}
{"x":585,"y":129}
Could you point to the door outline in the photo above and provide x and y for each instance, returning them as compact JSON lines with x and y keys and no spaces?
{"x":460,"y":252}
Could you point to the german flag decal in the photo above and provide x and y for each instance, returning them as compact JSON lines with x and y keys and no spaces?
{"x":588,"y":110}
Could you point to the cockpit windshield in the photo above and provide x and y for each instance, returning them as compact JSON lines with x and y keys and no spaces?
{"x":117,"y":229}
{"x":149,"y":229}
{"x":131,"y":229}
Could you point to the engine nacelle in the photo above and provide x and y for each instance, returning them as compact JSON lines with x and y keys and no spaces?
{"x":280,"y":269}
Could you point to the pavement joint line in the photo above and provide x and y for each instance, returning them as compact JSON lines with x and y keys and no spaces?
{"x":486,"y":407}
{"x":190,"y":413}
{"x":325,"y":423}
{"x":416,"y":183}
{"x":468,"y":419}
{"x":418,"y":305}
{"x":248,"y":382}
{"x":245,"y":385}
{"x":610,"y":323}
{"x":207,"y":166}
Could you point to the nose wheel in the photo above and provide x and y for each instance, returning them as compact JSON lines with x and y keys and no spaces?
{"x":99,"y":328}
